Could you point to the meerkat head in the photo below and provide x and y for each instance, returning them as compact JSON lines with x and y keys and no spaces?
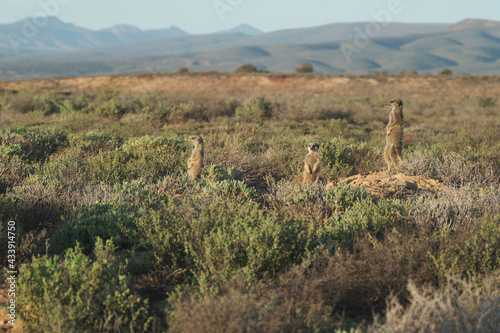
{"x":313,"y":146}
{"x":395,"y":103}
{"x":195,"y":139}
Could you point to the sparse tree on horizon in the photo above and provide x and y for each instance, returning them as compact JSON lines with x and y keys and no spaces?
{"x":446,"y":71}
{"x":247,"y":68}
{"x":304,"y":67}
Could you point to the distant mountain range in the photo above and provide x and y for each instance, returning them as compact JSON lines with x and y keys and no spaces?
{"x":32,"y":36}
{"x":63,"y":49}
{"x":244,"y":29}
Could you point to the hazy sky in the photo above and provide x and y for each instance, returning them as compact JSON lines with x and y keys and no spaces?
{"x":205,"y":16}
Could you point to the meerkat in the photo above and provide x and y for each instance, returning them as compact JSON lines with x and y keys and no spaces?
{"x":394,"y":135}
{"x":195,"y":162}
{"x":312,"y":165}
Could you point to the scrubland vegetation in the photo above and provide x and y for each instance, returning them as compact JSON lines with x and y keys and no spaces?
{"x":115,"y":237}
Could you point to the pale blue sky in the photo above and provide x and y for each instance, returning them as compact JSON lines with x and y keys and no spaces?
{"x":201,"y":16}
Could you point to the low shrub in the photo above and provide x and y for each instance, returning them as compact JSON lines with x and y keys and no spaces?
{"x":247,"y":68}
{"x":368,"y":215}
{"x":146,"y":157}
{"x":99,"y":220}
{"x":470,"y":251}
{"x":351,"y":284}
{"x":39,"y":203}
{"x":255,"y":108}
{"x":445,"y":71}
{"x":182,"y":70}
{"x":455,"y":207}
{"x":214,"y":237}
{"x":28,"y":244}
{"x":340,"y":213}
{"x":304,"y":67}
{"x":90,"y":143}
{"x":112,"y":108}
{"x":300,"y":201}
{"x":217,"y":173}
{"x":245,"y":311}
{"x":345,"y":158}
{"x":230,"y":189}
{"x":453,"y":168}
{"x":30,"y":143}
{"x":75,"y":293}
{"x":12,"y":171}
{"x":32,"y":101}
{"x":68,"y":168}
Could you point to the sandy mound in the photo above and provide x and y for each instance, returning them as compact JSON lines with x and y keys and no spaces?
{"x":400,"y":185}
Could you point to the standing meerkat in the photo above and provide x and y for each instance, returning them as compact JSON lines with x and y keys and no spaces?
{"x":195,"y":162}
{"x":394,"y":135}
{"x":312,"y":165}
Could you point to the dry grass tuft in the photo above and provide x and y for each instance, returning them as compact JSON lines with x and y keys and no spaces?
{"x":461,"y":307}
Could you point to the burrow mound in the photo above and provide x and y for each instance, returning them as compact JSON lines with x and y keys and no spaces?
{"x":380,"y":184}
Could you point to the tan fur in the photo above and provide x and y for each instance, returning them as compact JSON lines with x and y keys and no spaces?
{"x":312,"y":165}
{"x":298,"y":180}
{"x":394,"y":135}
{"x":195,"y":162}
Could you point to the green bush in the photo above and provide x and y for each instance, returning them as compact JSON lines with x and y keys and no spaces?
{"x":47,"y":104}
{"x":10,"y":151}
{"x":146,"y":157}
{"x":476,"y":254}
{"x":255,"y":108}
{"x":230,"y":189}
{"x":30,"y":143}
{"x":114,"y":218}
{"x":343,"y":196}
{"x":31,"y":101}
{"x":355,"y":213}
{"x":161,"y":233}
{"x":218,"y":238}
{"x":12,"y":171}
{"x":66,"y":168}
{"x":345,"y":157}
{"x":184,"y":111}
{"x":92,"y":142}
{"x":75,"y":293}
{"x":98,"y":220}
{"x":67,"y":107}
{"x":217,"y":172}
{"x":112,"y":109}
